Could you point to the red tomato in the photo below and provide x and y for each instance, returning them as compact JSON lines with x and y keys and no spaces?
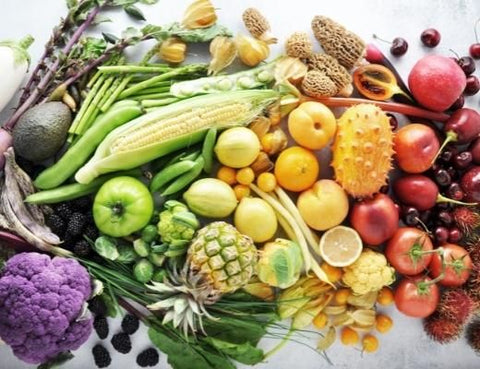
{"x":404,"y":249}
{"x":458,"y":265}
{"x":415,"y":297}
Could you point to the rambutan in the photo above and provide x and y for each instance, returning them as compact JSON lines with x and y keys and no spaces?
{"x":466,"y":218}
{"x":473,"y":286}
{"x":475,"y":254}
{"x":473,"y":335}
{"x":455,"y":305}
{"x":441,"y":329}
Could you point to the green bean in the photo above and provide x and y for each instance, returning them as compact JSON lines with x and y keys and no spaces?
{"x":169,"y":173}
{"x":158,"y":103}
{"x":75,"y":190}
{"x":207,"y":149}
{"x":78,"y":154}
{"x":185,"y":179}
{"x":160,"y":95}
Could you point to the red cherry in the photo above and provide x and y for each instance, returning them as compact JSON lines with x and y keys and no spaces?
{"x":475,"y":50}
{"x":430,"y":37}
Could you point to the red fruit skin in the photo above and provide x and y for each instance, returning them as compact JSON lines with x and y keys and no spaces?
{"x":452,"y":278}
{"x":415,"y":147}
{"x":436,"y":82}
{"x":465,"y":123}
{"x":411,"y":302}
{"x":375,"y":219}
{"x":399,"y":246}
{"x":416,"y":190}
{"x":474,"y":148}
{"x":470,"y":183}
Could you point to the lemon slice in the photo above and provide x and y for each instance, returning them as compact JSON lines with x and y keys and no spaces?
{"x":340,"y":246}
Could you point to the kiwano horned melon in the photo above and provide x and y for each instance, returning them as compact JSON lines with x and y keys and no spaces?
{"x":362,"y":150}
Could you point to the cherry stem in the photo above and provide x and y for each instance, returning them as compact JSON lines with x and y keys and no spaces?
{"x":409,"y":110}
{"x":441,"y":198}
{"x":454,"y":53}
{"x":451,"y":137}
{"x":381,"y":39}
{"x":475,"y":26}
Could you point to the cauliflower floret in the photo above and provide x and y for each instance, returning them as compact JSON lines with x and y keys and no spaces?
{"x":177,"y":223}
{"x":40,"y":302}
{"x":370,"y":272}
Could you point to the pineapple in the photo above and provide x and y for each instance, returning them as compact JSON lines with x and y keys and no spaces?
{"x":219,"y":260}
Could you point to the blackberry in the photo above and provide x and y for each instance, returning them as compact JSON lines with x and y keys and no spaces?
{"x":100,"y":324}
{"x":64,"y":210}
{"x":148,"y":357}
{"x":76,"y":224}
{"x":82,"y":204}
{"x":121,"y":342}
{"x":91,"y":232}
{"x":56,"y":224}
{"x":130,"y":324}
{"x":82,"y":248}
{"x":101,"y":356}
{"x":97,"y":306}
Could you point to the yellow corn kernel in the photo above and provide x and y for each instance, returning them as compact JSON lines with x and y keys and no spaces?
{"x":267,"y":181}
{"x":245,"y":176}
{"x":227,"y":175}
{"x":172,"y":50}
{"x":199,"y":14}
{"x":241,"y":191}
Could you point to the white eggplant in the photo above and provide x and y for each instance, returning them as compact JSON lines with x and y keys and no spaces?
{"x":14,"y":63}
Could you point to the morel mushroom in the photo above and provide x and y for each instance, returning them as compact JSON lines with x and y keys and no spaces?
{"x":258,"y":25}
{"x":334,"y":70}
{"x":337,"y":41}
{"x":318,"y":84}
{"x":298,"y":45}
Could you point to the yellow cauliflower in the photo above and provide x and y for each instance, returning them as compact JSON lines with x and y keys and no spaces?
{"x":370,"y":272}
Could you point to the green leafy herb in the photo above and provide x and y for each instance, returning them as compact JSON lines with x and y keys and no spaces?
{"x":58,"y":361}
{"x":244,"y":353}
{"x":134,"y":12}
{"x":109,"y":37}
{"x":191,"y":35}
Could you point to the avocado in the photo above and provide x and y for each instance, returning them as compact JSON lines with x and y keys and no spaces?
{"x":41,"y":131}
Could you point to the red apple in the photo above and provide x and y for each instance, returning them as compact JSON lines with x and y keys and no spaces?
{"x":375,"y":219}
{"x":436,"y":82}
{"x":415,"y":147}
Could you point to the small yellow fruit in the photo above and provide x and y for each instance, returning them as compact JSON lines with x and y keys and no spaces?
{"x":334,"y":274}
{"x":349,"y":337}
{"x":245,"y":176}
{"x":227,"y":175}
{"x":241,"y":191}
{"x":383,"y":323}
{"x":324,"y":205}
{"x":370,"y":343}
{"x":267,"y":182}
{"x":255,"y":218}
{"x":172,"y":50}
{"x":199,"y":14}
{"x":321,"y":320}
{"x":251,"y":51}
{"x":385,"y":296}
{"x":341,"y":295}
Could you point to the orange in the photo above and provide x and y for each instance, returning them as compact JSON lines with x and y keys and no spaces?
{"x":296,"y":169}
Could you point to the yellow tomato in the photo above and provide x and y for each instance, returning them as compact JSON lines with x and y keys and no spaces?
{"x":312,"y":125}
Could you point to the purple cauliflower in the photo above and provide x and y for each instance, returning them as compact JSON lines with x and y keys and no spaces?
{"x":41,"y":301}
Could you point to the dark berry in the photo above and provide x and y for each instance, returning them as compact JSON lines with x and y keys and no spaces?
{"x":82,"y":204}
{"x":453,"y":172}
{"x":426,"y":216}
{"x":411,"y":216}
{"x":100,"y":324}
{"x":65,"y":210}
{"x":97,"y":306}
{"x":393,"y":121}
{"x":148,"y":357}
{"x":467,"y":64}
{"x":454,"y":235}
{"x":474,"y":50}
{"x":472,"y":86}
{"x":82,"y":248}
{"x":458,"y":103}
{"x":455,"y":191}
{"x":463,"y":159}
{"x":430,"y":37}
{"x":448,"y":153}
{"x":441,"y":234}
{"x":56,"y":224}
{"x":121,"y":342}
{"x":91,"y":232}
{"x":130,"y":324}
{"x":445,"y":217}
{"x":76,"y":224}
{"x":101,"y":356}
{"x":399,"y":46}
{"x":442,"y":177}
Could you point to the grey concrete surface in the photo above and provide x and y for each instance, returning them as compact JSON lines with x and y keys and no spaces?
{"x":406,"y":346}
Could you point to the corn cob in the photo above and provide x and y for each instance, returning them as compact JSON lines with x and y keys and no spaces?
{"x":173,"y":127}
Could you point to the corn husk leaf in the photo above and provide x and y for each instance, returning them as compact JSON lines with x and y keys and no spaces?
{"x":366,"y":301}
{"x":335,"y":309}
{"x":363,"y":317}
{"x":306,"y":314}
{"x":342,"y":319}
